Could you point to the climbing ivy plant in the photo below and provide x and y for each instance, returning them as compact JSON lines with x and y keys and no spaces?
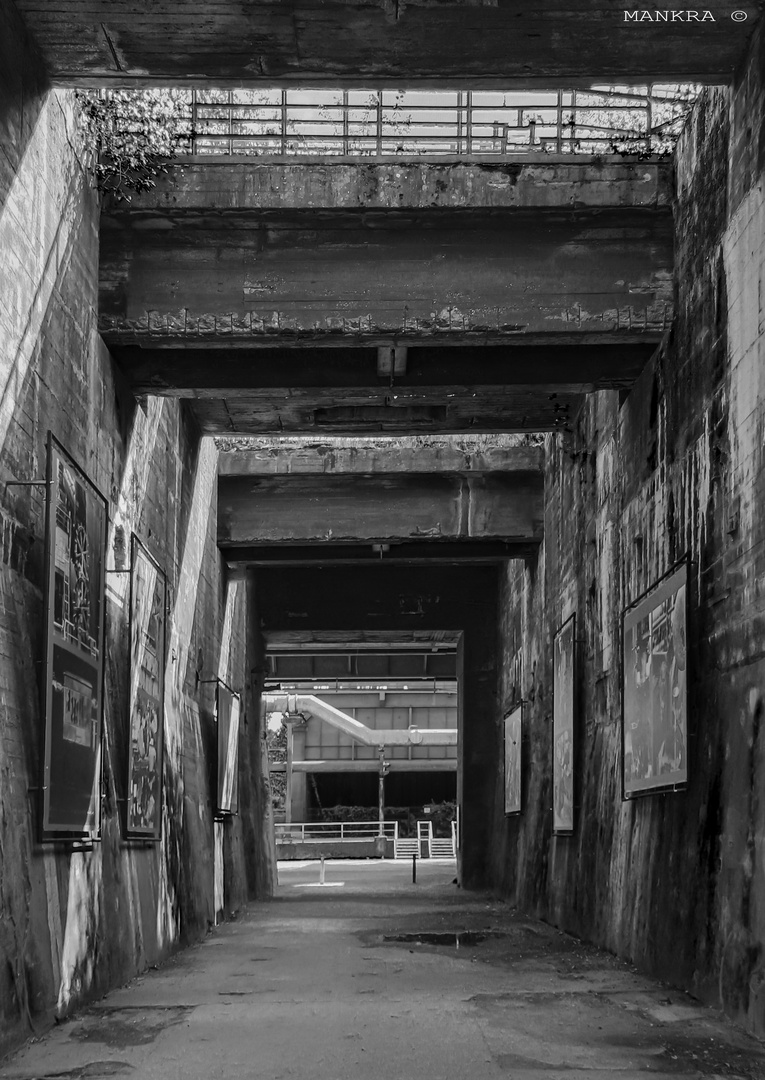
{"x":134,"y":136}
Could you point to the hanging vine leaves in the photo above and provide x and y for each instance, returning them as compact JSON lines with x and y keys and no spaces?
{"x":134,"y":136}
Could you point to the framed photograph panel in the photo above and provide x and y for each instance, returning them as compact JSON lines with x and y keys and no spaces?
{"x":513,"y":775}
{"x":148,"y":612}
{"x":228,"y":708}
{"x":75,"y":552}
{"x":654,"y":692}
{"x":564,"y":649}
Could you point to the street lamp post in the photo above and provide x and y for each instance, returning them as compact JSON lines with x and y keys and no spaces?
{"x":384,"y":767}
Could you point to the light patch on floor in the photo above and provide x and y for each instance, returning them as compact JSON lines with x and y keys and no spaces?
{"x":319,"y":885}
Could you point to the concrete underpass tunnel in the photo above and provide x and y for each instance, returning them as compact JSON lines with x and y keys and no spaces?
{"x":311,"y":387}
{"x":453,"y":604}
{"x":375,"y":564}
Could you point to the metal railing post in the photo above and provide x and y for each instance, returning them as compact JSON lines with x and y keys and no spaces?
{"x":346,"y":132}
{"x":379,"y":123}
{"x":284,"y":123}
{"x":559,"y":131}
{"x":469,"y":125}
{"x":230,"y":125}
{"x":193,"y":133}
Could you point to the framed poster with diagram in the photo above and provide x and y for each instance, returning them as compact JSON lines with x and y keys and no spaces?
{"x":654,"y":688}
{"x":76,"y":521}
{"x":148,"y":617}
{"x":513,"y":725}
{"x":227,"y":711}
{"x":564,"y":690}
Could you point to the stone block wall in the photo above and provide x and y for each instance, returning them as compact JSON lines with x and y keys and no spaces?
{"x":75,"y":922}
{"x":673,"y":882}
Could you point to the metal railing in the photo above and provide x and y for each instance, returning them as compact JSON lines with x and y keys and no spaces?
{"x":289,"y":123}
{"x":306,"y":831}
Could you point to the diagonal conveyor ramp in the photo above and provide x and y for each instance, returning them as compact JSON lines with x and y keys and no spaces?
{"x":306,"y":705}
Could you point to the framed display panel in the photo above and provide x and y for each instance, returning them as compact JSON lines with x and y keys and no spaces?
{"x":75,"y":551}
{"x":148,"y":614}
{"x":564,"y":647}
{"x":513,"y":774}
{"x":654,"y":688}
{"x":227,"y":711}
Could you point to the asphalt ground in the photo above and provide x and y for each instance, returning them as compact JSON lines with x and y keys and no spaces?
{"x":371,"y":977}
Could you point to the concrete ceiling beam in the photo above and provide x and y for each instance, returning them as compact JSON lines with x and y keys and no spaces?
{"x":411,"y":279}
{"x":475,"y":551}
{"x":528,"y":182}
{"x":379,"y":509}
{"x":355,"y":42}
{"x":199,"y":369}
{"x":456,"y":454}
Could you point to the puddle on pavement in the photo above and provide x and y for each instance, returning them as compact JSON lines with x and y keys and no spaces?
{"x":455,"y":940}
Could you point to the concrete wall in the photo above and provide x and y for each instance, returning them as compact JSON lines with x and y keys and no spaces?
{"x":673,"y":882}
{"x":73,"y":923}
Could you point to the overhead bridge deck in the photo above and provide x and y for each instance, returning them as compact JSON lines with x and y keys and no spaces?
{"x":420,"y":296}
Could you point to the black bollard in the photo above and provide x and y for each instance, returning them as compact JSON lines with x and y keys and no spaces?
{"x":414,"y":869}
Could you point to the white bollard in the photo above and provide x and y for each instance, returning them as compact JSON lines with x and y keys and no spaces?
{"x":321,"y":871}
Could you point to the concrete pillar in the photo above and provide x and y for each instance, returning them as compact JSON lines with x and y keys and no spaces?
{"x":479,"y":749}
{"x":299,"y":779}
{"x":259,"y":828}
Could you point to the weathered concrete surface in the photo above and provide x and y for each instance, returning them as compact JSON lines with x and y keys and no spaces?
{"x":211,"y":185}
{"x":456,"y":454}
{"x":74,"y":922}
{"x":359,"y":43}
{"x":673,"y":882}
{"x":330,"y":275}
{"x":305,"y":508}
{"x":311,"y":986}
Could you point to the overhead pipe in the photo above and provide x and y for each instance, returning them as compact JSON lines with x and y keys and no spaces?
{"x":296,"y":706}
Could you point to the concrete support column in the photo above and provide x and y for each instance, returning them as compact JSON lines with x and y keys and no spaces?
{"x":299,"y":779}
{"x":288,"y":775}
{"x":479,"y":748}
{"x":261,"y":855}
